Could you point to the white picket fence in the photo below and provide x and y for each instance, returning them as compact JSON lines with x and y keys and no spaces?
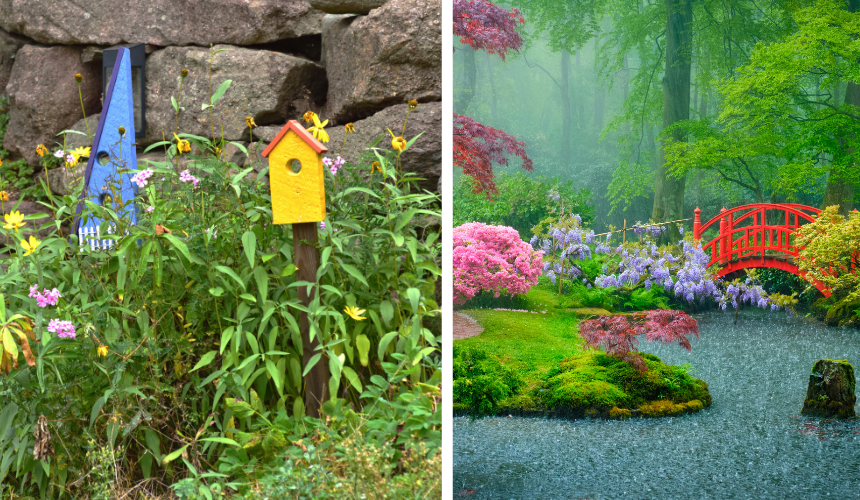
{"x":92,"y":236}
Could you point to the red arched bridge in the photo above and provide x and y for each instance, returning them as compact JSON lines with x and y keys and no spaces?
{"x":758,"y":235}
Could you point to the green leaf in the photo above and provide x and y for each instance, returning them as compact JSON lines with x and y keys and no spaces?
{"x":362,"y":343}
{"x":94,"y":412}
{"x":387,"y":311}
{"x":355,"y":273}
{"x":414,"y":298}
{"x":352,"y":377}
{"x":204,"y":360}
{"x":314,"y":360}
{"x":221,"y":440}
{"x":289,"y":270}
{"x":239,"y":408}
{"x":174,"y":104}
{"x":153,"y":146}
{"x":173,"y":456}
{"x":220,"y":92}
{"x":217,"y":291}
{"x":249,"y":241}
{"x":383,"y":344}
{"x":229,"y":272}
{"x":183,"y":248}
{"x":248,"y":297}
{"x":7,"y":416}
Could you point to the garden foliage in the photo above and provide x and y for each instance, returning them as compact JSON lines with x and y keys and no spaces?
{"x":180,"y":359}
{"x":494,"y":259}
{"x":523,"y":202}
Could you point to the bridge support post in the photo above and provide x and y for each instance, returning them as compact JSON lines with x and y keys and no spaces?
{"x":722,"y":236}
{"x":697,"y":224}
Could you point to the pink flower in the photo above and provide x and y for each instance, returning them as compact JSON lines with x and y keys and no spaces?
{"x":63,"y":329}
{"x":149,"y":209}
{"x":141,"y":178}
{"x":185,"y":176}
{"x":493,"y":259}
{"x":45,"y":297}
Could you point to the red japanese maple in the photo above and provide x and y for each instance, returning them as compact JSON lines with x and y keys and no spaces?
{"x":617,"y":335}
{"x":476,"y":146}
{"x":487,"y":27}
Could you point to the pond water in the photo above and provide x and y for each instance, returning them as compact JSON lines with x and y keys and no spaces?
{"x":751,"y":443}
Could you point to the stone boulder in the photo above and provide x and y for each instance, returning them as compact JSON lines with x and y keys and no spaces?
{"x":346,"y":6}
{"x":424,"y":157}
{"x":9,"y":45}
{"x":830,"y":392}
{"x":392,"y":55}
{"x":265,"y":83}
{"x":159,"y":22}
{"x":43,"y":97}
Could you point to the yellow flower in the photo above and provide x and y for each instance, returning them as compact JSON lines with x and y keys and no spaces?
{"x":398,"y":143}
{"x":317,"y":129}
{"x":183,"y":73}
{"x":350,"y":128}
{"x":78,"y":77}
{"x":413,"y":104}
{"x":354,"y":313}
{"x":15,"y":220}
{"x":4,"y":196}
{"x":73,"y":162}
{"x":182,"y":145}
{"x":30,"y":246}
{"x":103,"y":350}
{"x":217,"y":152}
{"x":79,"y":152}
{"x":41,"y":150}
{"x":308,"y":117}
{"x":121,"y":131}
{"x":375,"y":166}
{"x":249,"y":121}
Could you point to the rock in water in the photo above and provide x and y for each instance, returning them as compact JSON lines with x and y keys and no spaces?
{"x":831,"y":390}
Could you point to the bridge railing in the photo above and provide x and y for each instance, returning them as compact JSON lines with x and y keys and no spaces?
{"x":744,"y":231}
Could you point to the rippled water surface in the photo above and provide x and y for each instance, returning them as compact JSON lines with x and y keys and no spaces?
{"x":751,"y":443}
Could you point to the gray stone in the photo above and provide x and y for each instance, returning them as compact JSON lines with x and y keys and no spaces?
{"x":346,"y":6}
{"x":43,"y":97}
{"x":830,"y":392}
{"x":388,"y":57}
{"x":264,"y":85}
{"x":61,"y":180}
{"x":9,"y":45}
{"x":159,"y":22}
{"x":424,"y":157}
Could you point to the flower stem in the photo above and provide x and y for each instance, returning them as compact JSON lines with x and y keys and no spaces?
{"x":81,"y":96}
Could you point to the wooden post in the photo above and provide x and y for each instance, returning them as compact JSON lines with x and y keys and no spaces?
{"x":722,"y":237}
{"x":307,"y":259}
{"x":624,"y":233}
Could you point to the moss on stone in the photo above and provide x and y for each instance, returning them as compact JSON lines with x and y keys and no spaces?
{"x":619,"y":413}
{"x":665,"y":408}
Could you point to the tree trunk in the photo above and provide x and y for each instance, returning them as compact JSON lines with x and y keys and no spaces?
{"x":470,"y":75}
{"x":565,"y":108}
{"x":494,"y":101}
{"x":669,"y":191}
{"x":840,"y":191}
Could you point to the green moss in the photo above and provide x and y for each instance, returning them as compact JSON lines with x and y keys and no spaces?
{"x":619,"y":413}
{"x":664,"y":408}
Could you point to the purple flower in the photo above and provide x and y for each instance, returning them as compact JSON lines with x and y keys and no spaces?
{"x":141,"y":178}
{"x":149,"y":209}
{"x":46,"y":297}
{"x":185,"y":176}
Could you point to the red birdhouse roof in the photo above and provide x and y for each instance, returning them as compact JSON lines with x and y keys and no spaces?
{"x":301,"y":132}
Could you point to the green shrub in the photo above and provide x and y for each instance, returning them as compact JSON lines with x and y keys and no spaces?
{"x":481,"y":382}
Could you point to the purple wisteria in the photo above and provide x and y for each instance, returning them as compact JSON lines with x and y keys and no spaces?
{"x":644,"y":265}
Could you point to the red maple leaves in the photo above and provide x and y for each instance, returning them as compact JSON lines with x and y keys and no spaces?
{"x":617,"y":334}
{"x":476,"y":146}
{"x":485,"y":26}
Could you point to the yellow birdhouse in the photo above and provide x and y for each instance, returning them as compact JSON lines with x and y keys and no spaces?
{"x":296,"y":175}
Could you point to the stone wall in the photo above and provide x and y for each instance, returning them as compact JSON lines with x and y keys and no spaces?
{"x":348,"y":60}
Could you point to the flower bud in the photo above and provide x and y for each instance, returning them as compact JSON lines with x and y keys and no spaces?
{"x":121,"y":131}
{"x":184,"y":72}
{"x":78,"y":77}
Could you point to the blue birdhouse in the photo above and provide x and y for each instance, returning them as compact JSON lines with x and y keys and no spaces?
{"x":107,"y":179}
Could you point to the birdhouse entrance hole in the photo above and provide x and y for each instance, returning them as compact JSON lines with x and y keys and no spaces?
{"x":295,"y":166}
{"x":103,"y":158}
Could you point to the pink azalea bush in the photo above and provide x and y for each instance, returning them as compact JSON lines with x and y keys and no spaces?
{"x":494,"y":259}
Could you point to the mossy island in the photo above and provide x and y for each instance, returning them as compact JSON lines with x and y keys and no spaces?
{"x":533,"y":362}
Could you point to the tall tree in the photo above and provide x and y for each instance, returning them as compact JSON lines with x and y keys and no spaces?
{"x":484,"y":26}
{"x":669,"y":190}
